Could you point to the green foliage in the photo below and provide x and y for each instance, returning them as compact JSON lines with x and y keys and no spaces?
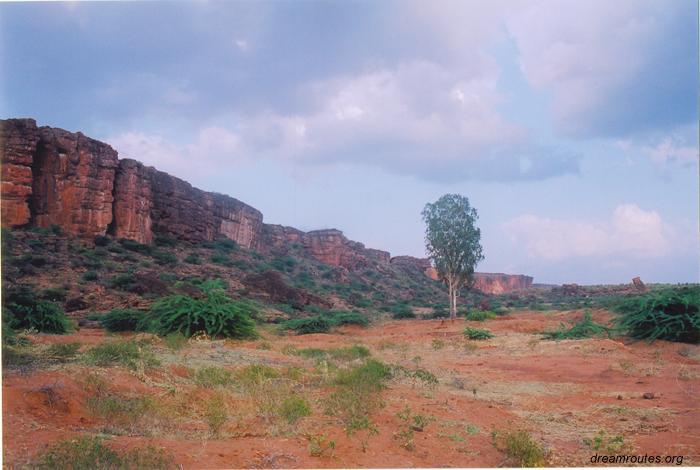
{"x":670,"y":314}
{"x":602,"y":442}
{"x":122,"y":281}
{"x":121,"y":319}
{"x":133,"y":245}
{"x":221,"y":258}
{"x":480,"y":315}
{"x":348,"y":318}
{"x":164,"y":258}
{"x":452,"y":240}
{"x":62,"y":352}
{"x":584,"y":328}
{"x":284,"y":264}
{"x":224,"y":245}
{"x":320,"y":445}
{"x":294,"y":408}
{"x":356,"y":351}
{"x":90,"y":276}
{"x":401,"y":310}
{"x":165,"y":239}
{"x":216,"y":314}
{"x":477,"y":333}
{"x":131,"y":354}
{"x":211,"y":377}
{"x":101,"y":240}
{"x":90,"y":453}
{"x":193,"y":258}
{"x":520,"y":447}
{"x":308,"y":325}
{"x":215,"y":414}
{"x":83,"y":453}
{"x":23,"y":310}
{"x":357,"y":395}
{"x":175,"y":341}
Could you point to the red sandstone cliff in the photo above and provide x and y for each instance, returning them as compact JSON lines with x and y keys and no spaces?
{"x":51,"y":176}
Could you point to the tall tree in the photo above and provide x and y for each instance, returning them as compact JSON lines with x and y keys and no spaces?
{"x":452,"y":241}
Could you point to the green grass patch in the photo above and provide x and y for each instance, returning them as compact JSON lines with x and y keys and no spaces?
{"x":212,"y":377}
{"x":584,"y":328}
{"x":131,"y":354}
{"x":480,"y":315}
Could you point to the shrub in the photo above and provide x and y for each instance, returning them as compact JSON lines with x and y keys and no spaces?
{"x":221,"y":258}
{"x":23,"y":310}
{"x":477,"y":333}
{"x":90,"y":276}
{"x":216,"y":314}
{"x":224,"y":245}
{"x":193,"y":258}
{"x":401,"y":310}
{"x":480,"y":315}
{"x":439,"y":311}
{"x":62,"y":352}
{"x":122,"y":281}
{"x":133,"y":245}
{"x":175,"y":341}
{"x":308,"y":325}
{"x":211,"y":377}
{"x":164,"y":258}
{"x":584,"y":328}
{"x":215,"y":414}
{"x":127,"y":353}
{"x":520,"y":446}
{"x":91,"y":453}
{"x":82,"y":453}
{"x":121,"y":319}
{"x":349,"y":318}
{"x":101,"y":240}
{"x":294,"y":408}
{"x":670,"y":314}
{"x":164,"y":239}
{"x":255,"y":374}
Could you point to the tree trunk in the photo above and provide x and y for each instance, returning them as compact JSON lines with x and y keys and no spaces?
{"x":453,"y":301}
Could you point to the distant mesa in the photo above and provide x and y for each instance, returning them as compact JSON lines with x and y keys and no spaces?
{"x":54,"y":177}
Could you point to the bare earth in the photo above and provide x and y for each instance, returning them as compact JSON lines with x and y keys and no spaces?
{"x":560,"y":392}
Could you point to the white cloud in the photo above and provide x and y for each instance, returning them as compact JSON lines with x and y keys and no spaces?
{"x":631,"y":233}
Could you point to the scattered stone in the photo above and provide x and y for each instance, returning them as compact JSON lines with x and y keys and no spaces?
{"x":648,"y":396}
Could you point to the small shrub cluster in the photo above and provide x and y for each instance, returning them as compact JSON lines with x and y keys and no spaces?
{"x":520,"y":447}
{"x":670,"y":314}
{"x":92,"y":453}
{"x":323,"y":322}
{"x":24,"y":310}
{"x":477,"y":333}
{"x":401,"y":311}
{"x":480,"y":315}
{"x":121,"y":319}
{"x":131,"y":354}
{"x":584,"y":328}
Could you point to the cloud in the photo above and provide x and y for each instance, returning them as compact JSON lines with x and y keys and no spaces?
{"x":612,"y":68}
{"x":631,"y":233}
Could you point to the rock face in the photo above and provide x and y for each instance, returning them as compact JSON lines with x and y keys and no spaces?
{"x":18,"y":140}
{"x":52,"y":176}
{"x":497,"y":283}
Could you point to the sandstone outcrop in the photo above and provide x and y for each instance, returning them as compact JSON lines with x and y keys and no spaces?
{"x":18,"y":140}
{"x":52,"y":176}
{"x":498,"y":283}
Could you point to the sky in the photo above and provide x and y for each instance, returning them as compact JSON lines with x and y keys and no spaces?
{"x":571,"y":126}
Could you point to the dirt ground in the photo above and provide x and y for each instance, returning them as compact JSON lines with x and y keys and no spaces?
{"x":563,"y":393}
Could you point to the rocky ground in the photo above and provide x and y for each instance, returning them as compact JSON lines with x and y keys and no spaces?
{"x":573,"y":398}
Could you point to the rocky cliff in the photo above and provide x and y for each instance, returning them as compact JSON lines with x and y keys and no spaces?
{"x":498,"y":283}
{"x":52,"y":176}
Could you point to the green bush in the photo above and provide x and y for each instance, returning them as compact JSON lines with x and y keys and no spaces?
{"x":584,"y":328}
{"x":480,"y":315}
{"x":164,"y":258}
{"x":520,"y":446}
{"x":216,"y":314}
{"x":308,"y":325}
{"x":133,"y":245}
{"x":164,"y":239}
{"x":211,"y":377}
{"x":193,"y":258}
{"x":401,"y":311}
{"x":22,"y":310}
{"x":90,"y":453}
{"x":101,"y":240}
{"x":221,"y":259}
{"x":477,"y":333}
{"x":121,"y":319}
{"x":670,"y":314}
{"x":348,"y":318}
{"x":294,"y":408}
{"x":62,"y":352}
{"x":90,"y":276}
{"x":122,"y":281}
